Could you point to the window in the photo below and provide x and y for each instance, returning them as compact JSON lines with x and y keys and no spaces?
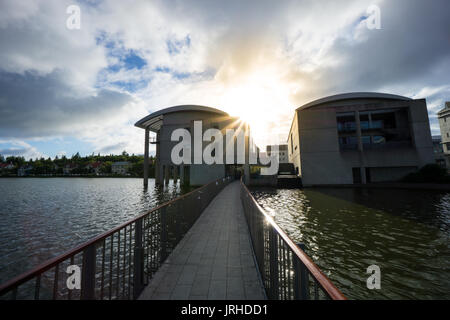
{"x":365,"y":140}
{"x":383,"y":120}
{"x":447,"y":135}
{"x":346,"y":123}
{"x":348,"y":142}
{"x":364,"y":121}
{"x":356,"y":172}
{"x":447,"y":145}
{"x":377,"y":140}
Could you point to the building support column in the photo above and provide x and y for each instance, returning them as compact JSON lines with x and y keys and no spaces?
{"x":175,"y":174}
{"x":247,"y":156}
{"x":358,"y":131}
{"x":182,"y":174}
{"x":161,"y":173}
{"x":146,"y":147}
{"x":360,"y":148}
{"x":166,"y":174}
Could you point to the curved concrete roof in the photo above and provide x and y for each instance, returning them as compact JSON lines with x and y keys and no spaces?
{"x":352,"y":96}
{"x":154,"y":120}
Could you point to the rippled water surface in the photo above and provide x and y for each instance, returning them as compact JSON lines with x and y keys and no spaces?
{"x":43,"y":217}
{"x":405,"y":232}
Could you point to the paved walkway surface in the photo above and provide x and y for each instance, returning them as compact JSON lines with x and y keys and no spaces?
{"x":214,"y":260}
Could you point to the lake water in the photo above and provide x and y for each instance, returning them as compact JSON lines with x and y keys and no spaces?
{"x":345,"y":230}
{"x":43,"y":217}
{"x":405,"y":232}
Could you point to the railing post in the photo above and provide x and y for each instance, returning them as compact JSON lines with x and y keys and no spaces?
{"x":273,"y":263}
{"x":88,"y":273}
{"x":179,"y":220}
{"x":301,"y":279}
{"x":163,"y":236}
{"x":138,"y":272}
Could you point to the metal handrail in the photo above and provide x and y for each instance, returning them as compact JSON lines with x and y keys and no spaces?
{"x":137,"y":225}
{"x":289,"y":262}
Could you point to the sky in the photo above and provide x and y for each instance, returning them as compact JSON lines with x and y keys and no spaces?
{"x":65,"y":90}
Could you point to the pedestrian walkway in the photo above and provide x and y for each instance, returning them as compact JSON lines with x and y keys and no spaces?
{"x":214,"y":260}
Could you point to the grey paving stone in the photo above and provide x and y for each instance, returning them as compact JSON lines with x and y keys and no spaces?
{"x":181,"y":292}
{"x":214,"y":260}
{"x":200,"y":287}
{"x":217,"y":290}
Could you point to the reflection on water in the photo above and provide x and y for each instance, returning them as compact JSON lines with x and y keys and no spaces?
{"x":43,"y":217}
{"x":405,"y":232}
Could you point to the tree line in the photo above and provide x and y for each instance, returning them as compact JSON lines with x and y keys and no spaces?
{"x":79,"y":165}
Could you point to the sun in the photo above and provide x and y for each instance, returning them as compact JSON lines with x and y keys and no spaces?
{"x":258,"y":101}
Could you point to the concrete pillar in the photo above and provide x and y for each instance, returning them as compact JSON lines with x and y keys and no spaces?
{"x":247,"y":156}
{"x":147,"y":142}
{"x":182,"y":174}
{"x":161,"y":173}
{"x":360,"y":148}
{"x":358,"y":131}
{"x":158,"y":172}
{"x":175,"y":174}
{"x":363,"y":175}
{"x":166,"y":174}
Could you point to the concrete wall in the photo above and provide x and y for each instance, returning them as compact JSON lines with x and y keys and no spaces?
{"x":323,"y":162}
{"x":199,"y":173}
{"x":444,"y":124}
{"x":294,"y":144}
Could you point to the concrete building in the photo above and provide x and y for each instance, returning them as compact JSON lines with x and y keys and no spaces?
{"x":359,"y":138}
{"x":120,"y":167}
{"x":438,"y":150}
{"x":444,"y":124}
{"x":282,"y":152}
{"x":163,"y":122}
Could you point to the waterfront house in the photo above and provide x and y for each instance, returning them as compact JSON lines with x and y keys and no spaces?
{"x":68,"y":168}
{"x":24,"y":171}
{"x":7,"y":166}
{"x":358,"y":138}
{"x":94,"y":167}
{"x":282,"y":152}
{"x":163,"y":122}
{"x":120,"y":167}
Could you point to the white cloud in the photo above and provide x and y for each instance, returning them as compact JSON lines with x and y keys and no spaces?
{"x":248,"y":57}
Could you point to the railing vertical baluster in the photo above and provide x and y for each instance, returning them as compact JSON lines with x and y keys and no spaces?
{"x":163,"y":235}
{"x":131,"y":251}
{"x":273,"y":254}
{"x":88,"y":273}
{"x":72,"y":262}
{"x":102,"y":281}
{"x":290,"y":255}
{"x":316,"y":291}
{"x":38,"y":287}
{"x":301,"y":282}
{"x":138,"y":259}
{"x":55,"y":282}
{"x":111,"y":253}
{"x":124,"y":260}
{"x":118,"y":265}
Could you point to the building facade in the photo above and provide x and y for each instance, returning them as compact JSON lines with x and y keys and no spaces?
{"x":120,"y":167}
{"x":438,"y":150}
{"x":359,"y":138}
{"x":164,"y":122}
{"x":282,"y":151}
{"x":444,"y":124}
